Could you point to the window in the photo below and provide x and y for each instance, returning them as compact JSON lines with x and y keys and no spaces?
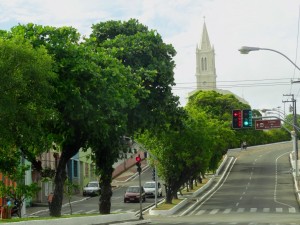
{"x":75,"y":168}
{"x":203,"y":63}
{"x":86,"y":170}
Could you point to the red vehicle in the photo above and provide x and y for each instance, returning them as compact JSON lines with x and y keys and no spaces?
{"x":132,"y":194}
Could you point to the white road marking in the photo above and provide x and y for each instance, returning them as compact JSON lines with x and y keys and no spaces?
{"x":266,"y":210}
{"x":200,"y":212}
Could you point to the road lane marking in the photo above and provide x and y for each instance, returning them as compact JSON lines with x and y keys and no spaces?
{"x":226,"y":211}
{"x":78,"y":212}
{"x":240,"y":210}
{"x":208,"y":195}
{"x":130,"y":210}
{"x":276,"y":181}
{"x":266,"y":210}
{"x":214,"y":211}
{"x":117,"y":210}
{"x":200,"y":212}
{"x":279,"y":210}
{"x":292,"y":210}
{"x":253,"y":210}
{"x":91,"y":211}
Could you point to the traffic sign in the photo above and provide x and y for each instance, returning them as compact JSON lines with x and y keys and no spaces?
{"x":267,"y":124}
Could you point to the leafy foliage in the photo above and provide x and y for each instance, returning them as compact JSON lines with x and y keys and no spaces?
{"x":151,"y":64}
{"x":26,"y":89}
{"x":17,"y":190}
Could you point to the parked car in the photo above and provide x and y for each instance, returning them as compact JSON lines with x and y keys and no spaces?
{"x":150,"y":189}
{"x":132,"y":194}
{"x":91,"y":189}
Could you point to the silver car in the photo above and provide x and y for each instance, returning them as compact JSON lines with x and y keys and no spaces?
{"x":150,"y":189}
{"x":91,"y":189}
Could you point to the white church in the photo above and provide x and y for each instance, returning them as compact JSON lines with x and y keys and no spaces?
{"x":206,"y":76}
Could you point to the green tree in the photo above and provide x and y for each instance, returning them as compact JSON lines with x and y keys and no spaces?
{"x":25,"y":104}
{"x":218,"y":109}
{"x":180,"y":153}
{"x":93,"y":90}
{"x":151,"y":61}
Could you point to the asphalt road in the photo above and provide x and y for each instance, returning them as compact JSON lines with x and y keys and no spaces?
{"x":90,"y":205}
{"x":258,"y":190}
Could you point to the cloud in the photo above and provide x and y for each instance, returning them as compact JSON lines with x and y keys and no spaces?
{"x":231,"y":24}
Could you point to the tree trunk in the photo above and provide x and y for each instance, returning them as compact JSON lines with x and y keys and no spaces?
{"x":68,"y":151}
{"x":191,"y":184}
{"x":106,"y":193}
{"x":60,"y":177}
{"x":169,"y":195}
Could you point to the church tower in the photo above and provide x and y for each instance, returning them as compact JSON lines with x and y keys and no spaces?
{"x":205,"y":63}
{"x":205,"y":68}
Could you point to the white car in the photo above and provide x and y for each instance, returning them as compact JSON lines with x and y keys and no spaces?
{"x":149,"y":188}
{"x":91,"y":189}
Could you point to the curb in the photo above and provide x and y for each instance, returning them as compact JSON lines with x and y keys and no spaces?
{"x":185,"y":201}
{"x":87,"y":220}
{"x":133,"y":222}
{"x":214,"y":188}
{"x":170,"y":211}
{"x":297,"y":192}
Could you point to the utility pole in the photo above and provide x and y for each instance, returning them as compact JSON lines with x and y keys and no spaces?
{"x":155,"y":175}
{"x":139,"y":170}
{"x":294,"y":133}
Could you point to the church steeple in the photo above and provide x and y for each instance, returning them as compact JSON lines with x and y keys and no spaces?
{"x":205,"y":67}
{"x":205,"y":43}
{"x":205,"y":63}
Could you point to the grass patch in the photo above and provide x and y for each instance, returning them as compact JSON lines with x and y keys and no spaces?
{"x":165,"y":206}
{"x":195,"y":188}
{"x":16,"y":219}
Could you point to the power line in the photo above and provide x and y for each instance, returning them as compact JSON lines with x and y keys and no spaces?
{"x":235,"y":81}
{"x":234,"y":85}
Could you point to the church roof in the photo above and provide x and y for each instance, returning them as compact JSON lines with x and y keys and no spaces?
{"x":205,"y":43}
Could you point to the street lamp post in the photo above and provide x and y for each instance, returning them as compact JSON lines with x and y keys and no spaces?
{"x":246,"y":50}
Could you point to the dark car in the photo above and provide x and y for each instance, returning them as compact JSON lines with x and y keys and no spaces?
{"x":132,"y":194}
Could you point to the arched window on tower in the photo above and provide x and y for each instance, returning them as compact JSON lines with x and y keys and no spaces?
{"x":205,"y":64}
{"x":202,"y":63}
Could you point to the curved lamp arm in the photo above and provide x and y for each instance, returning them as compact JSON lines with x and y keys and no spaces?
{"x":247,"y":49}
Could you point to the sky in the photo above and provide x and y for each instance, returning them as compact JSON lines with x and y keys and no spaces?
{"x":263,"y":78}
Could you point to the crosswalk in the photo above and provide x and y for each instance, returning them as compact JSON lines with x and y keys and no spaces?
{"x":244,"y":210}
{"x":95,"y":211}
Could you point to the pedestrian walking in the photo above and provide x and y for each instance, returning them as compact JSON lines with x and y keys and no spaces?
{"x":50,"y":197}
{"x":244,"y":145}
